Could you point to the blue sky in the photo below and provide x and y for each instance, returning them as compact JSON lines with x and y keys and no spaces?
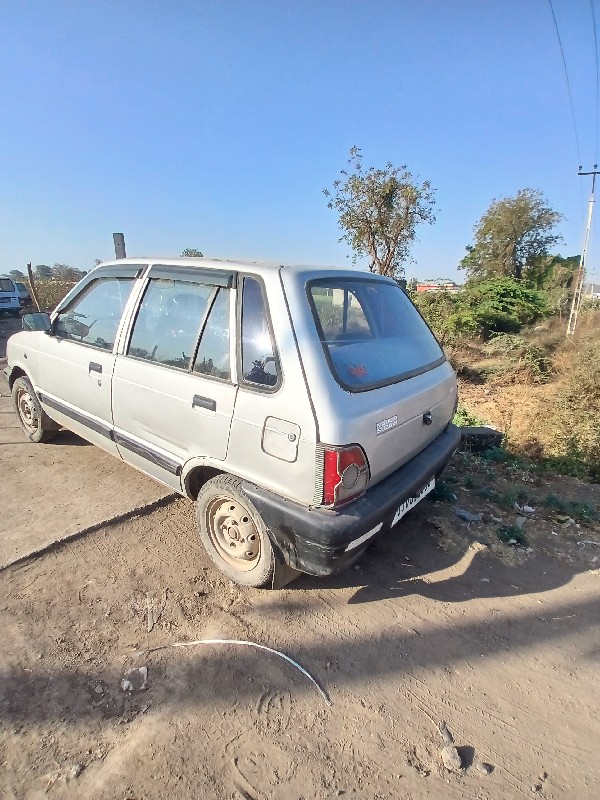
{"x":217,"y":124}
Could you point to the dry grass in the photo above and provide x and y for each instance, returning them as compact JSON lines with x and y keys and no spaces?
{"x":553,"y":414}
{"x":51,"y":292}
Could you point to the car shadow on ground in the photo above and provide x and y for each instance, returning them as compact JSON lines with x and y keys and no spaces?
{"x":49,"y":690}
{"x":411,"y":560}
{"x":67,"y":438}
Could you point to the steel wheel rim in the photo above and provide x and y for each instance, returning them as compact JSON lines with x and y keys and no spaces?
{"x":27,"y":411}
{"x":233,"y":533}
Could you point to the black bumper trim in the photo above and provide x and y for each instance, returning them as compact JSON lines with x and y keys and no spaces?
{"x":316,"y":541}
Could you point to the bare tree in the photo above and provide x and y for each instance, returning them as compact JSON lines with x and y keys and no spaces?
{"x":379,"y":210}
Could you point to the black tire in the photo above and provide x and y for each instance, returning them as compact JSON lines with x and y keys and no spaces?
{"x":233,"y":532}
{"x":32,"y":418}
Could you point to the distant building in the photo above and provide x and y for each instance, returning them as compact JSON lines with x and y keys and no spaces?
{"x":591,"y":290}
{"x":438,"y":285}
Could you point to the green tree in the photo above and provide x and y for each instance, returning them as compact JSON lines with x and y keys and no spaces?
{"x":555,"y":272}
{"x":379,"y":210}
{"x":511,"y":239}
{"x":64,"y":272}
{"x":191,"y":252}
{"x":43,"y":271}
{"x":17,"y":275}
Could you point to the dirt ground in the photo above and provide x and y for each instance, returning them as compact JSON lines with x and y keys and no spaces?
{"x":441,"y":621}
{"x":82,"y":485}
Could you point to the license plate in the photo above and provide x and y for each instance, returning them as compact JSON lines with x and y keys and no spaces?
{"x":412,"y":502}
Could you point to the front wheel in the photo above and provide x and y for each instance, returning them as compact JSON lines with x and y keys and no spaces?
{"x":233,"y":532}
{"x":33,"y":419}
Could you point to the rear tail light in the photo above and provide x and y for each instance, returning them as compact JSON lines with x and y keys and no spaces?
{"x":345,"y":474}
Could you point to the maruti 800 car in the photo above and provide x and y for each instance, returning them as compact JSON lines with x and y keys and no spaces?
{"x":304,"y":410}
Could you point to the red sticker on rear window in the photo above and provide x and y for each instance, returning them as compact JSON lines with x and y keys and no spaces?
{"x":358,"y":372}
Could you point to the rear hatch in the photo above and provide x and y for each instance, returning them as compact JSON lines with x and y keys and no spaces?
{"x":395,"y":390}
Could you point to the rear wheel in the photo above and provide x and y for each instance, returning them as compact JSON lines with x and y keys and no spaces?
{"x":234,"y":533}
{"x":33,"y":419}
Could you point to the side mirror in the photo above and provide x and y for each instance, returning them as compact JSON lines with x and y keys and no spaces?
{"x":40,"y":321}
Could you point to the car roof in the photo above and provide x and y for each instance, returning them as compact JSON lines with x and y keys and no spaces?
{"x":257,"y":267}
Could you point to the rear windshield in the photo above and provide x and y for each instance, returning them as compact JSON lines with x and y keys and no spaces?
{"x":6,"y":285}
{"x":371,"y":332}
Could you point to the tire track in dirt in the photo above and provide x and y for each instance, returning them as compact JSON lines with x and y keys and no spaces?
{"x":454,"y":698}
{"x":220,"y":721}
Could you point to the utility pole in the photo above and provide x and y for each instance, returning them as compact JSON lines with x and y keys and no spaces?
{"x":582,"y":261}
{"x":119,"y":242}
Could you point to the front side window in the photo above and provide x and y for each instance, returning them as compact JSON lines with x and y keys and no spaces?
{"x":259,"y":362}
{"x":168,"y":322}
{"x":93,"y":317}
{"x":371,"y":333}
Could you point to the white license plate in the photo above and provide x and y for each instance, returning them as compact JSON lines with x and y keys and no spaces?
{"x":412,"y":502}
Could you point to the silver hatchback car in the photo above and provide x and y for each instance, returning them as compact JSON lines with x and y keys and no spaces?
{"x":304,"y":410}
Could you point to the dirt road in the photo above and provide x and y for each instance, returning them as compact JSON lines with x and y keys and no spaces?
{"x":53,"y":491}
{"x":506,"y":655}
{"x":440,"y":622}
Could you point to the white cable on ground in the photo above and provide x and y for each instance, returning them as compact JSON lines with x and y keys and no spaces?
{"x":247,"y":644}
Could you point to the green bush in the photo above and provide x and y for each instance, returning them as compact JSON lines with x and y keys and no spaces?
{"x":465,"y":419}
{"x":497,"y":305}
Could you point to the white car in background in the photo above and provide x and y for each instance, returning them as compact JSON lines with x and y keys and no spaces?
{"x":9,"y":296}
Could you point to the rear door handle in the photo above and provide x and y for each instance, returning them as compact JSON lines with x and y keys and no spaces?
{"x":204,"y":402}
{"x":94,"y":367}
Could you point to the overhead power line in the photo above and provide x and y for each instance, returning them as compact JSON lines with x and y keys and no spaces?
{"x":597,"y":91}
{"x":562,"y":53}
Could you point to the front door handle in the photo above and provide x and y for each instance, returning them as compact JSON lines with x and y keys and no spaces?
{"x":204,"y":402}
{"x":94,"y":367}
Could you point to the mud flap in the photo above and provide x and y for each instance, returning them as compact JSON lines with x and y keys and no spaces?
{"x":282,"y":573}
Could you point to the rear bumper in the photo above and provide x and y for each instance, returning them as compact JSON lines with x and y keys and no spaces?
{"x":321,"y":542}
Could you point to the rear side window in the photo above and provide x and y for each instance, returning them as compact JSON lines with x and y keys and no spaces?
{"x":93,"y":317}
{"x":6,"y":285}
{"x":371,"y":333}
{"x":259,"y":361}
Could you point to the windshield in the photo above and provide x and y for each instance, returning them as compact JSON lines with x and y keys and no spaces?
{"x":371,"y":333}
{"x":6,"y":285}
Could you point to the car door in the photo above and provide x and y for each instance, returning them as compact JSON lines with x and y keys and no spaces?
{"x":77,"y":357}
{"x":173,"y":394}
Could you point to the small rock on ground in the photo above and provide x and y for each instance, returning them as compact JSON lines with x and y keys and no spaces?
{"x":451,"y":758}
